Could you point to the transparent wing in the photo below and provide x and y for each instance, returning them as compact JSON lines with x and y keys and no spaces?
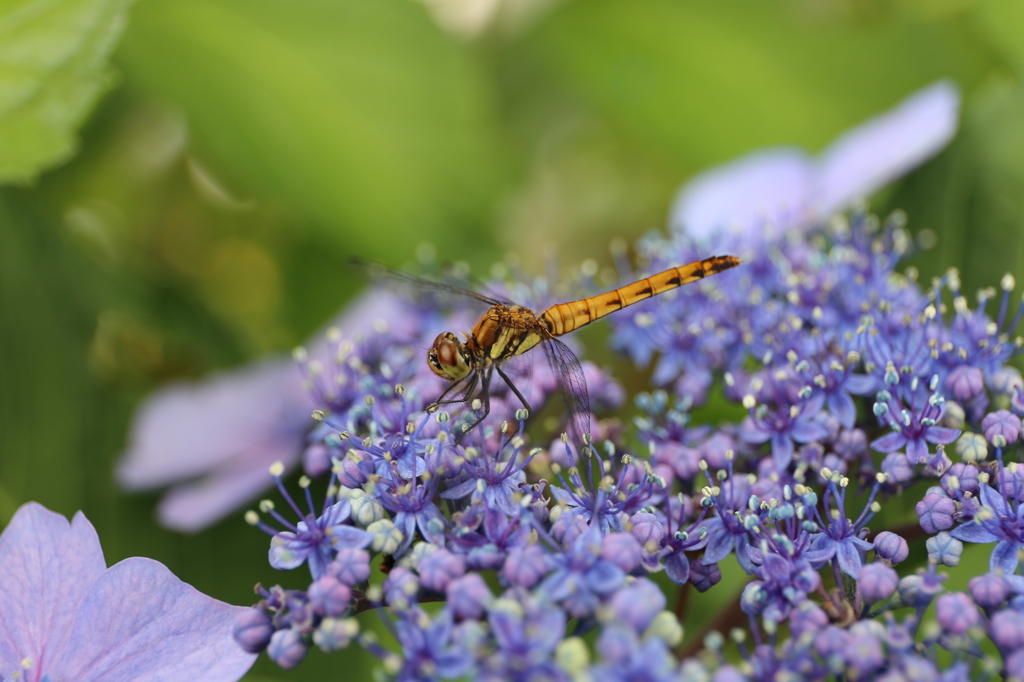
{"x":379,"y":270}
{"x":572,"y":384}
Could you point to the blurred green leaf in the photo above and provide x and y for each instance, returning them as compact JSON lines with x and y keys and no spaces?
{"x":971,"y":195}
{"x":359,"y":116}
{"x":1003,"y":20}
{"x":53,"y":67}
{"x":699,"y":82}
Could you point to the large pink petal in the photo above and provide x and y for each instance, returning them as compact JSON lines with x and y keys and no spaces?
{"x":768,"y":187}
{"x":882,"y":149}
{"x":140,"y":623}
{"x":47,"y":567}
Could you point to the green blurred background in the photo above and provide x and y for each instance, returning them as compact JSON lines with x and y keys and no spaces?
{"x":184,"y":180}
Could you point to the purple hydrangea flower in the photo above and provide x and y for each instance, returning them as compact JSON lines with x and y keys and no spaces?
{"x":491,"y":480}
{"x":580,"y":579}
{"x":840,"y":537}
{"x":726,"y":532}
{"x":487,"y":535}
{"x":913,"y":427}
{"x":784,"y":425}
{"x":625,"y":656}
{"x":69,"y":617}
{"x":314,"y":539}
{"x":428,"y":649}
{"x":1000,"y":521}
{"x":526,"y":635}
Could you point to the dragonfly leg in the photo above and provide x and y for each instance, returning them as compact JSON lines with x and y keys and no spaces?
{"x":434,"y":406}
{"x":514,"y":390}
{"x":485,"y":403}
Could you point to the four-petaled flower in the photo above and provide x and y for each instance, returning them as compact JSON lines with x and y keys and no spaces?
{"x":998,"y":520}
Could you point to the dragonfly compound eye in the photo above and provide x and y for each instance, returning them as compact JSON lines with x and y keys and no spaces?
{"x":448,"y":358}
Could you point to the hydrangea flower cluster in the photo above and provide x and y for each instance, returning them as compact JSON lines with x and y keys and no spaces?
{"x":844,"y":383}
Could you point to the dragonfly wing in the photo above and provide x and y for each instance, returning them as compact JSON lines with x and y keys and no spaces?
{"x":379,"y":270}
{"x":572,"y":384}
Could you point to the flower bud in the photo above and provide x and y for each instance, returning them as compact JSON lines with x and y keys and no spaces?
{"x":935,"y":512}
{"x":1001,"y":428}
{"x":623,"y":550}
{"x":636,"y":605}
{"x":956,"y":613}
{"x":253,"y":630}
{"x":989,"y":591}
{"x":439,"y":568}
{"x":891,"y":547}
{"x":287,"y":648}
{"x":469,"y":596}
{"x":877,"y":581}
{"x":330,"y":597}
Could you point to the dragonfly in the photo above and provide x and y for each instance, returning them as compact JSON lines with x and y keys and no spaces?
{"x":508,"y":330}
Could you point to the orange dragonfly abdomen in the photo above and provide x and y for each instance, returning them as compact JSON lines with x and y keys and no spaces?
{"x":565,"y":317}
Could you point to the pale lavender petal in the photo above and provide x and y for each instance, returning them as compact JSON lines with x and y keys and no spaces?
{"x":47,"y":567}
{"x":500,"y":496}
{"x":720,"y":541}
{"x":677,"y":568}
{"x":849,"y":558}
{"x":806,"y":430}
{"x":562,"y":496}
{"x":994,"y":500}
{"x":841,"y":405}
{"x":461,"y":490}
{"x":973,"y":532}
{"x":349,"y":537}
{"x":139,"y":623}
{"x":771,"y":186}
{"x":1005,"y":558}
{"x":193,"y":506}
{"x":890,"y":442}
{"x":751,"y":432}
{"x":941,"y":434}
{"x":917,"y":450}
{"x":824,"y":546}
{"x":431,"y":524}
{"x":336,"y":513}
{"x":782,"y":450}
{"x":232,"y":426}
{"x":288,"y":551}
{"x":860,"y":384}
{"x":187,"y":429}
{"x":882,"y":149}
{"x":743,"y":555}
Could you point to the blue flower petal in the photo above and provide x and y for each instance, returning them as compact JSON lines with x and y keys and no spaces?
{"x":677,"y":568}
{"x":849,"y":559}
{"x":973,"y":532}
{"x":1005,"y":558}
{"x":890,"y":442}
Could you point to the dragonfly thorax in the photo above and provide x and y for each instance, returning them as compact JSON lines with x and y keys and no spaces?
{"x":449,"y":358}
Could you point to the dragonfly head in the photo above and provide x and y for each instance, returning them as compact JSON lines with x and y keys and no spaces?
{"x":449,"y":358}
